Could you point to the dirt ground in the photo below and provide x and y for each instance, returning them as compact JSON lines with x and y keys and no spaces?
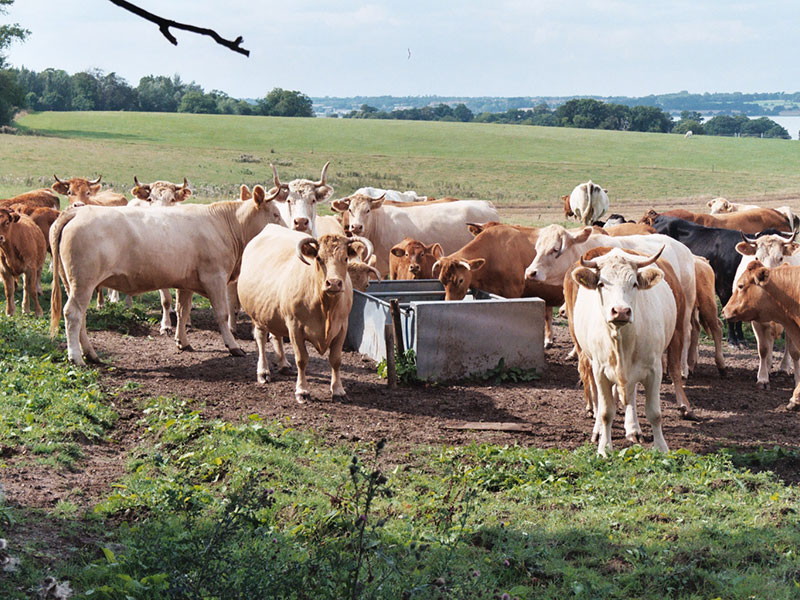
{"x":731,"y":411}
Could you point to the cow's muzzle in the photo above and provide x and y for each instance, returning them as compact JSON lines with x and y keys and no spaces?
{"x":334,"y":286}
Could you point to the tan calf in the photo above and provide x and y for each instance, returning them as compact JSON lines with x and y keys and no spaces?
{"x":411,"y":259}
{"x":22,"y":252}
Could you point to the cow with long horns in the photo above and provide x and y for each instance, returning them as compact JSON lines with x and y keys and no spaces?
{"x":298,"y":199}
{"x":623,"y":317}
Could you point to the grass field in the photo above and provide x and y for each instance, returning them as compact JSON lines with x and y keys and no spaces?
{"x":514,"y":166}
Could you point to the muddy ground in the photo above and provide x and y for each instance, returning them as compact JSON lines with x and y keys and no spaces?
{"x":731,"y":411}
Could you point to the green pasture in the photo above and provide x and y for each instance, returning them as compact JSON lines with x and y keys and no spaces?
{"x":514,"y":166}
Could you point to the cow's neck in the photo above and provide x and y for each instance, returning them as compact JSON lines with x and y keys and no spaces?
{"x":783,"y":288}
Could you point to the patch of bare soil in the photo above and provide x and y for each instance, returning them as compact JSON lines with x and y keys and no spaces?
{"x":731,"y":411}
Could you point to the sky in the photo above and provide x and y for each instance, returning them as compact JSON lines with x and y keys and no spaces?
{"x":457,"y":48}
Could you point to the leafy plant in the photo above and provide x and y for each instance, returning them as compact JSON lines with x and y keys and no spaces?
{"x":405,"y":365}
{"x":500,"y":374}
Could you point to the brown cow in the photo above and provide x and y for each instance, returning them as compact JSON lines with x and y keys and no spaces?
{"x":43,"y":216}
{"x":88,"y":192}
{"x":41,"y":197}
{"x":494,"y":261}
{"x":294,"y":285}
{"x":629,"y":229}
{"x":674,"y":349}
{"x":763,"y":294}
{"x":411,"y":259}
{"x":22,"y":252}
{"x":748,"y":221}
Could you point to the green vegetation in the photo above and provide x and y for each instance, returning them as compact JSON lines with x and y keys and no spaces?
{"x":528,"y":168}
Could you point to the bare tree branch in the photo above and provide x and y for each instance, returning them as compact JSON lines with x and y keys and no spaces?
{"x":165,"y":24}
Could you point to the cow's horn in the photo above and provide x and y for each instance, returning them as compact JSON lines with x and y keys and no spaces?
{"x":185,"y":183}
{"x":591,"y":264}
{"x":136,"y":182}
{"x":57,"y":179}
{"x":367,"y":243}
{"x":309,"y":241}
{"x":643,"y":262}
{"x":275,"y":179}
{"x":96,"y":181}
{"x":377,"y":273}
{"x":324,"y":175}
{"x":749,"y":240}
{"x":273,"y":196}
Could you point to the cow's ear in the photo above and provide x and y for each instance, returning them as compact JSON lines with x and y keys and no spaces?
{"x":356,"y":248}
{"x":323,"y":192}
{"x":377,"y":202}
{"x":2,"y":239}
{"x":710,"y":203}
{"x":791,"y":248}
{"x":436,"y":250}
{"x":259,"y":195}
{"x":15,"y":217}
{"x":183,"y":194}
{"x":476,"y":263}
{"x":93,"y":189}
{"x":762,"y":276}
{"x":586,"y":277}
{"x":398,"y":252}
{"x":474,"y":228}
{"x":648,"y":278}
{"x":142,"y":192}
{"x":61,"y":187}
{"x":307,"y":248}
{"x":341,"y":205}
{"x":436,"y":269}
{"x":583,"y":235}
{"x":244,"y":193}
{"x":746,"y":249}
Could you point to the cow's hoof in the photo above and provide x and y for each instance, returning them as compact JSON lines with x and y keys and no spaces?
{"x":237,"y":352}
{"x":723,"y":372}
{"x":263,"y":377}
{"x":793,"y":405}
{"x":548,"y":344}
{"x":302,"y":398}
{"x":340,"y":398}
{"x":763,"y":385}
{"x":287,"y":370}
{"x":635,"y":438}
{"x":166,"y":331}
{"x":687,"y":413}
{"x":95,"y":360}
{"x":186,"y":348}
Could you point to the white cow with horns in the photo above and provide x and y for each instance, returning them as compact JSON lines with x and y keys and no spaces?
{"x":623,"y":320}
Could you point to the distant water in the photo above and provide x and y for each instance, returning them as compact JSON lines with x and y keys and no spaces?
{"x":790,"y":124}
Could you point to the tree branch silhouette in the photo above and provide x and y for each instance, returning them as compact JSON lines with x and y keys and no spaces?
{"x":164,"y":26}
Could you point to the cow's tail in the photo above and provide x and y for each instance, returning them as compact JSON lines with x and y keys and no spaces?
{"x":588,"y":217}
{"x":55,"y":245}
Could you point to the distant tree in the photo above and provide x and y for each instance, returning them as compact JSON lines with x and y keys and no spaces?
{"x":285,"y":103}
{"x":12,"y":94}
{"x":86,"y":92}
{"x":367,"y":109}
{"x":55,"y":90}
{"x":196,"y":101}
{"x":764,"y":127}
{"x":116,"y":93}
{"x":723,"y":125}
{"x":159,"y":93}
{"x":651,"y":119}
{"x":685,"y":125}
{"x":462,"y":113}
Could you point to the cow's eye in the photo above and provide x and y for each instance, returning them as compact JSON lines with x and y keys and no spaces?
{"x":635,"y":285}
{"x":460,"y":280}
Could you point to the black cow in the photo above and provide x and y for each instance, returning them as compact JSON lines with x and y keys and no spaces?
{"x":719,"y":247}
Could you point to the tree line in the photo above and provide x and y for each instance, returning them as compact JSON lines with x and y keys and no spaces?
{"x":55,"y":89}
{"x":587,"y":113}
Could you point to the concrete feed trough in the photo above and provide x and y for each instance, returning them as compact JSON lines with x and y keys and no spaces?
{"x":450,"y":339}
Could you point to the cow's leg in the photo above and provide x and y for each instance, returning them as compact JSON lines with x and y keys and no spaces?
{"x":652,"y":406}
{"x":691,"y":297}
{"x":335,"y":359}
{"x":233,"y":306}
{"x":572,"y":353}
{"x":713,"y":327}
{"x":113,"y":296}
{"x":217,"y":290}
{"x":633,"y":430}
{"x":589,"y":387}
{"x":301,"y":390}
{"x":183,"y":299}
{"x":548,"y":327}
{"x":75,"y":324}
{"x":674,"y":370}
{"x":10,"y":284}
{"x":29,"y":294}
{"x":284,"y":368}
{"x":605,"y":411}
{"x":101,"y":299}
{"x":86,"y":344}
{"x":694,"y":341}
{"x":261,"y":334}
{"x":166,"y":306}
{"x":765,"y":339}
{"x":786,"y":365}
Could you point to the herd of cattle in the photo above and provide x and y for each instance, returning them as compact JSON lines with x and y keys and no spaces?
{"x":633,"y":293}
